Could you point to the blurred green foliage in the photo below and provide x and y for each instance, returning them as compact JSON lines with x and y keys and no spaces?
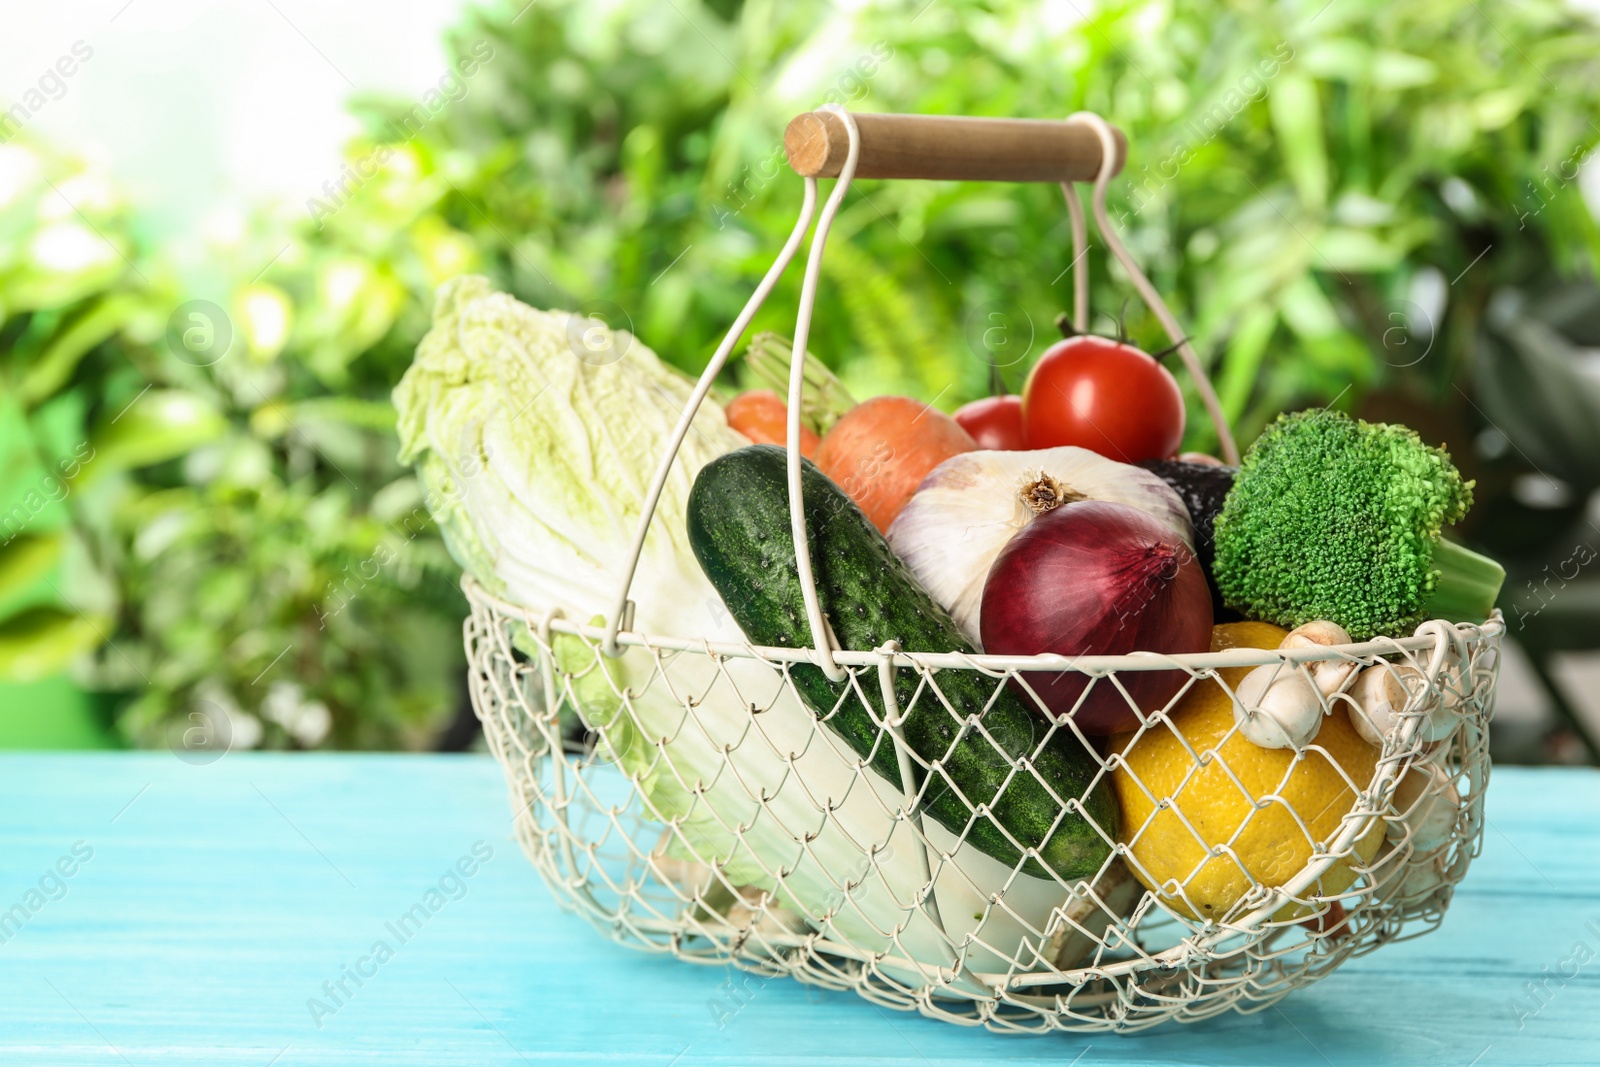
{"x":201,"y":494}
{"x":1331,"y":197}
{"x":66,"y":289}
{"x":1297,"y":173}
{"x":283,"y":573}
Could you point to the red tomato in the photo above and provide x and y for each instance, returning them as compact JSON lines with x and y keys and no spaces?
{"x":995,"y":422}
{"x":1105,"y":396}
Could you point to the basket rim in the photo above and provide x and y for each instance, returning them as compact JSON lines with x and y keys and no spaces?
{"x":552,"y":619}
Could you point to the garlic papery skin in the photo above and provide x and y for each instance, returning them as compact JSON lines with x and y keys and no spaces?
{"x":1329,"y":675}
{"x":1380,"y":696}
{"x":1276,"y":706}
{"x":971,"y":505}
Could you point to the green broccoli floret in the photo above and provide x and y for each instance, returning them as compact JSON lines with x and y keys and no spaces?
{"x":1332,"y":518}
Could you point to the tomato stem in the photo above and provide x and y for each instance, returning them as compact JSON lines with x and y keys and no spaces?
{"x":1165,"y":352}
{"x":997,"y":381}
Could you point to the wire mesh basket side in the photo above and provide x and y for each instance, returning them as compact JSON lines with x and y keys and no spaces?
{"x":662,"y":797}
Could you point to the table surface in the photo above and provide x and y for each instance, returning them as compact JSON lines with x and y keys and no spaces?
{"x":207,"y":906}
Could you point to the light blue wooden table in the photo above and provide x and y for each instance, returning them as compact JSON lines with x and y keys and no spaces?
{"x":206,"y":908}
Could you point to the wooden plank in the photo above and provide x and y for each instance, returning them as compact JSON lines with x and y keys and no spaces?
{"x":219,"y":899}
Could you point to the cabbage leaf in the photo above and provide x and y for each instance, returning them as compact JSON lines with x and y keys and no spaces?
{"x":535,"y":435}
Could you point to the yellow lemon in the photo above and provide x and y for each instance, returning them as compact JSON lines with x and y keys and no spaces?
{"x":1206,"y":813}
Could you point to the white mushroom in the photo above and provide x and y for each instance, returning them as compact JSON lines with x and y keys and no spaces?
{"x":1276,"y":706}
{"x":1428,"y":804}
{"x":1411,"y":881}
{"x":1455,"y":684}
{"x":1424,"y":874}
{"x":1380,"y":696}
{"x":1329,"y":675}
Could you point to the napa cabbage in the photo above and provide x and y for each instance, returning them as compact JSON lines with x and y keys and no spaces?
{"x":535,"y":435}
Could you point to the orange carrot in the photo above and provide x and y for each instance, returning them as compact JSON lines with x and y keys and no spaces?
{"x":880,"y":450}
{"x":764,"y":418}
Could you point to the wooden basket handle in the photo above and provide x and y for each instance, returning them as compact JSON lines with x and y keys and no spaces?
{"x":949,"y":148}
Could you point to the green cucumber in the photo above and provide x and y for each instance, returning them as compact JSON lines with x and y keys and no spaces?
{"x":739,"y":529}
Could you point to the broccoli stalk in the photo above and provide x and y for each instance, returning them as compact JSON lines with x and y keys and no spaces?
{"x":1332,"y":518}
{"x":1465,"y":586}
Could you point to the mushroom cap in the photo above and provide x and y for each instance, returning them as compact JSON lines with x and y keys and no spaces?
{"x":1277,"y":706}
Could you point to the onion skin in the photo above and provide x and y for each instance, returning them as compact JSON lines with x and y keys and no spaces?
{"x":1097,"y":579}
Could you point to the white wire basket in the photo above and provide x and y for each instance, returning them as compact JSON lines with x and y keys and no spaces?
{"x":795,"y":856}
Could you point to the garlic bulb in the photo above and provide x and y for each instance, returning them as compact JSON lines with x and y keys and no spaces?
{"x":972,"y":504}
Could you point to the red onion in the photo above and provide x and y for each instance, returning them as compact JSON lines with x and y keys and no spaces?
{"x":1096,"y":578}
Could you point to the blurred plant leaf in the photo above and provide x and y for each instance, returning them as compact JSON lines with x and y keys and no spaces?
{"x":161,"y":424}
{"x":30,"y":494}
{"x":1531,"y":387}
{"x":376,"y":415}
{"x":54,"y":366}
{"x":1243,"y":358}
{"x":43,"y":641}
{"x":24,"y":563}
{"x":1297,"y":120}
{"x":66,"y":262}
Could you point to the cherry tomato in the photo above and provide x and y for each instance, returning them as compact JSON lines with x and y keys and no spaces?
{"x":995,"y":422}
{"x":1105,"y":396}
